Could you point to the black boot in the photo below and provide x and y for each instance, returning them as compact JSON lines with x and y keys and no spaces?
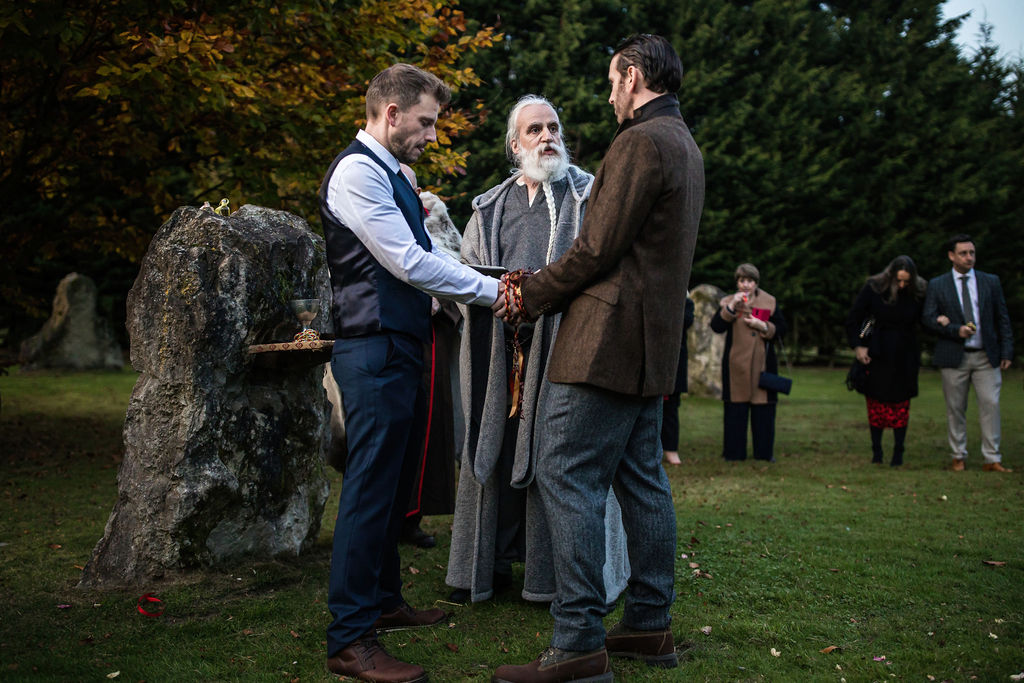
{"x":876,"y":445}
{"x":897,"y":450}
{"x":414,"y":535}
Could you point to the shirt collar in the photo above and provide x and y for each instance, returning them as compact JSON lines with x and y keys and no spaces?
{"x":957,"y":274}
{"x":382,"y":153}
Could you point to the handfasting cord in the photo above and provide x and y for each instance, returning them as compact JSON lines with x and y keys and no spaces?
{"x":512,"y":288}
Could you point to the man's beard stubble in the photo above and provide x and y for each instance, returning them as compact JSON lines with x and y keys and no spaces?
{"x":545,"y":168}
{"x":403,"y":149}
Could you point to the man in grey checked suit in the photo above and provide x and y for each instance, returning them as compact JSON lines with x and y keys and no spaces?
{"x":965,"y":308}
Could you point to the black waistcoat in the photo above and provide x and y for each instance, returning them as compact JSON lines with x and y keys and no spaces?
{"x":366,"y":298}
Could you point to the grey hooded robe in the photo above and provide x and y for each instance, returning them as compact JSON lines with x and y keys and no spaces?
{"x":471,"y":559}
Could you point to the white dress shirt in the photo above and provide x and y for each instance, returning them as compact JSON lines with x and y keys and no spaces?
{"x":359,"y":194}
{"x":974,"y":341}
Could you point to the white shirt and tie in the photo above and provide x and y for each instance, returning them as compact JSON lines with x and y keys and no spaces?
{"x":974,"y":341}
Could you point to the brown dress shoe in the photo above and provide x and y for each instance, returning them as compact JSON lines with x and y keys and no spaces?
{"x":555,"y":665}
{"x":407,"y":617}
{"x":995,"y":467}
{"x":655,"y":648}
{"x":958,"y":465}
{"x":366,"y":660}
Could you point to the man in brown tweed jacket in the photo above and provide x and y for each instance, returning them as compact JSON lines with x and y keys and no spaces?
{"x":621,"y":288}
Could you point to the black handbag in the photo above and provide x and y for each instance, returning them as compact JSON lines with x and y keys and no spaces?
{"x":769,"y":381}
{"x":772,"y":382}
{"x":857,"y":377}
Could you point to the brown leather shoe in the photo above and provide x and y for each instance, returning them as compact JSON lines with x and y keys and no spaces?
{"x":556,"y":665}
{"x":958,"y":465}
{"x":995,"y":467}
{"x":655,"y":648}
{"x":407,"y":616}
{"x":366,"y":660}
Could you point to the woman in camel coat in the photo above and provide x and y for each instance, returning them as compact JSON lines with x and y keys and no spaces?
{"x":752,"y":323}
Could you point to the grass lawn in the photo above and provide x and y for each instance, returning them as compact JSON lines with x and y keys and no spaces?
{"x":818,"y":567}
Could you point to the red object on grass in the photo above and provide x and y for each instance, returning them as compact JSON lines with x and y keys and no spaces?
{"x":150,"y":599}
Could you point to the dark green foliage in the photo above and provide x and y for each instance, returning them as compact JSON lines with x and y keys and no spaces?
{"x":835,"y":135}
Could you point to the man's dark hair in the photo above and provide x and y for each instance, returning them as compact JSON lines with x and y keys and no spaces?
{"x":957,"y":239}
{"x":403,"y":84}
{"x":655,"y":58}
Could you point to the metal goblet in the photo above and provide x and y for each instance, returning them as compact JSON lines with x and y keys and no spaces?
{"x":306,"y":310}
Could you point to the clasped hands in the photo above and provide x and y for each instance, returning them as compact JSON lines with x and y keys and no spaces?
{"x":509,"y":304}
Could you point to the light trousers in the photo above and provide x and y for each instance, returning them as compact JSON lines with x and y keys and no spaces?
{"x":975,"y":370}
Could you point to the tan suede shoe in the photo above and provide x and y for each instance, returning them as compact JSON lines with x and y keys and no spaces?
{"x":555,"y":665}
{"x":655,"y":648}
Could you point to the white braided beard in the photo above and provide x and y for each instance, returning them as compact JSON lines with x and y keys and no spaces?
{"x":552,"y":216}
{"x":545,"y":170}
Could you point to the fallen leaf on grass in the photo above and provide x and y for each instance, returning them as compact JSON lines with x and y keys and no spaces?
{"x":247,"y":632}
{"x":776,"y":653}
{"x":1017,"y":677}
{"x":880,"y":659}
{"x":294,"y":634}
{"x":413,"y":570}
{"x":994,"y":563}
{"x":993,"y":636}
{"x":452,"y":646}
{"x":694,"y":565}
{"x":706,"y":630}
{"x":63,"y":606}
{"x":830,"y":648}
{"x":113,"y":674}
{"x":55,"y":546}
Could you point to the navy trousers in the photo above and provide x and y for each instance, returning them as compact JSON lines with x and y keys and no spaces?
{"x":762,"y":428}
{"x":379,"y":379}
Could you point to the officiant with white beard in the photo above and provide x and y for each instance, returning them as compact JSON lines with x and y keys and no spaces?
{"x":525,"y":222}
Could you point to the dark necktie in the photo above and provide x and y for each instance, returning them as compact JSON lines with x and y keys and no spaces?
{"x":966,"y":295}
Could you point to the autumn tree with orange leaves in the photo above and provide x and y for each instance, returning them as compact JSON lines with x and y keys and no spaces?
{"x":113,"y":114}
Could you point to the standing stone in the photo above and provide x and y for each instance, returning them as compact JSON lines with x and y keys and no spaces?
{"x":74,"y":337}
{"x":705,"y":347}
{"x":223,"y":458}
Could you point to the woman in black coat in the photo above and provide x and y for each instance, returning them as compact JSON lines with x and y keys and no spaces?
{"x":882,"y":330}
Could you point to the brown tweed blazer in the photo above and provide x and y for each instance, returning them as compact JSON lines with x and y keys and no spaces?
{"x":622,"y":284}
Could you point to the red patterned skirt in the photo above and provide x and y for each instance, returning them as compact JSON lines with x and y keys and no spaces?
{"x":888,"y":415}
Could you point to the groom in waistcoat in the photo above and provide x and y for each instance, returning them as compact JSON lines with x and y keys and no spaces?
{"x":384,"y":270}
{"x":974,"y":346}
